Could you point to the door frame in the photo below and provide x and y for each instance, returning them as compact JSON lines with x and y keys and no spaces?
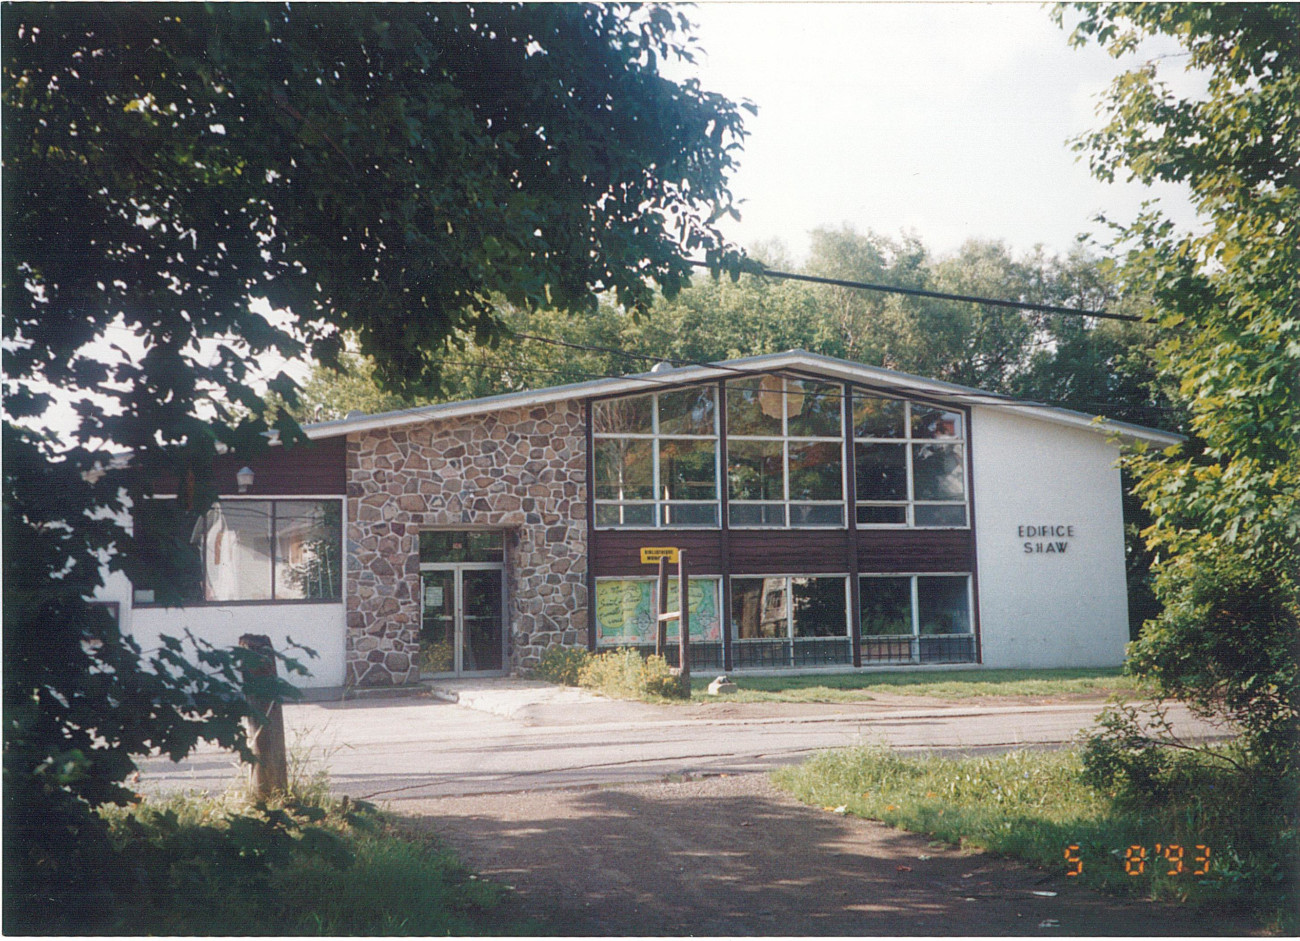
{"x":458,"y":613}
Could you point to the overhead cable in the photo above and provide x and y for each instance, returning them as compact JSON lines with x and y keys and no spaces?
{"x":938,"y":295}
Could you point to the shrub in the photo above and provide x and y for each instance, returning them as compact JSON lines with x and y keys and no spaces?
{"x":561,"y":665}
{"x":625,"y":674}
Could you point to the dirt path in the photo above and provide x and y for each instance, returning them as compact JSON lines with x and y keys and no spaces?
{"x":731,"y":855}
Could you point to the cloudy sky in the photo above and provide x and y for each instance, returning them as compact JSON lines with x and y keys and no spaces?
{"x":949,"y":120}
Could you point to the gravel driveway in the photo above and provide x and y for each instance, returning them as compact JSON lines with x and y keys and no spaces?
{"x":731,"y":855}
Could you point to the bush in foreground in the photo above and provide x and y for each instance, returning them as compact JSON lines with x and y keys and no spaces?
{"x":562,"y":665}
{"x":625,"y":674}
{"x":1033,"y":805}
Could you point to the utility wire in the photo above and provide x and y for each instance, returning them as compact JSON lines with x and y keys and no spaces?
{"x":939,"y":295}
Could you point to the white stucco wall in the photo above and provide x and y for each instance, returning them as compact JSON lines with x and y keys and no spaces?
{"x":1041,"y":609}
{"x":318,"y":626}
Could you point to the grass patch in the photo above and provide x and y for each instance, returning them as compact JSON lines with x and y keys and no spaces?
{"x":861,"y":687}
{"x":1032,"y":805}
{"x":309,"y":865}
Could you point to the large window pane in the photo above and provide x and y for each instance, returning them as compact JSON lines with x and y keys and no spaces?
{"x":937,"y":472}
{"x":632,"y":514}
{"x":688,"y":469}
{"x":757,"y":514}
{"x":814,"y":409}
{"x":237,"y":551}
{"x":624,"y":469}
{"x":308,"y":537}
{"x":758,"y":608}
{"x":943,"y":604}
{"x":755,"y":470}
{"x":815,"y":470}
{"x":754,"y":406}
{"x":169,"y":542}
{"x":929,"y":422}
{"x":687,"y":411}
{"x":874,"y":417}
{"x":816,"y":514}
{"x":881,"y":471}
{"x":630,"y":416}
{"x":820,"y":609}
{"x":690,"y":514}
{"x":882,"y":515}
{"x":940,"y":514}
{"x":886,"y":606}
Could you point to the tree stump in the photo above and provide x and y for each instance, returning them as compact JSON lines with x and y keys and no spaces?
{"x":269,"y":773}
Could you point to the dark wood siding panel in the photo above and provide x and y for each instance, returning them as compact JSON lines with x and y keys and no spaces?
{"x":939,"y":550}
{"x":313,"y":467}
{"x":618,"y":552}
{"x":789,"y":552}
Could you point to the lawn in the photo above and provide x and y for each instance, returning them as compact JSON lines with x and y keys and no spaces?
{"x":941,"y":684}
{"x":1206,"y":843}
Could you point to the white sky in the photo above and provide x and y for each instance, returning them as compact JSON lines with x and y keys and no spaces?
{"x":948,"y":120}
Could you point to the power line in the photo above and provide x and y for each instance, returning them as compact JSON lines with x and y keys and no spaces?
{"x":938,"y":295}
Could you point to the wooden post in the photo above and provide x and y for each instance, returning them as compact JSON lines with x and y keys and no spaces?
{"x":683,"y":622}
{"x":269,"y":773}
{"x":661,"y":593}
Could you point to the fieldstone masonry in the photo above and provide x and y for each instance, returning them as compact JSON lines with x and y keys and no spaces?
{"x":522,"y":471}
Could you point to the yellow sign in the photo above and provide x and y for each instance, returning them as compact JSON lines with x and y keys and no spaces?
{"x":652,"y":554}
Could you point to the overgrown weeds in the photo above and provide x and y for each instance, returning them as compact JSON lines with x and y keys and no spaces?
{"x":300,"y":865}
{"x":622,"y":673}
{"x":1211,"y":840}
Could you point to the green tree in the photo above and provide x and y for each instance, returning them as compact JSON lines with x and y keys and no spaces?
{"x":1226,"y":508}
{"x":383,"y":170}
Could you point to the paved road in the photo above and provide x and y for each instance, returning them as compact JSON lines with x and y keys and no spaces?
{"x":523,"y":737}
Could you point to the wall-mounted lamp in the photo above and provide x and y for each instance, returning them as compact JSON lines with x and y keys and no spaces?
{"x":244,"y":477}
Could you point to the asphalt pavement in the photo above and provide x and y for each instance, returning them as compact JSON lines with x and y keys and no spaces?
{"x":503,"y":735}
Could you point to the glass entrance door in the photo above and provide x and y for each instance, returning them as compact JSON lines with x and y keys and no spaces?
{"x":461,"y":624}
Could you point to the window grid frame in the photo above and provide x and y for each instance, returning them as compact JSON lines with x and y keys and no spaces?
{"x":914,"y":638}
{"x":908,"y":443}
{"x":788,"y":636}
{"x":657,"y":503}
{"x":785,"y":438}
{"x":273,"y":558}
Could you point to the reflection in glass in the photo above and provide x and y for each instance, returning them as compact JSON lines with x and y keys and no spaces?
{"x":237,"y":551}
{"x":754,"y":406}
{"x":819,"y":608}
{"x":437,"y":622}
{"x":930,"y":422}
{"x":687,"y":411}
{"x":758,"y":608}
{"x":690,"y":514}
{"x":481,"y":620}
{"x":630,"y":514}
{"x":624,"y":469}
{"x":943,"y":604}
{"x":627,"y":416}
{"x":875,"y":417}
{"x":755,"y":470}
{"x":308,"y":536}
{"x":687,"y":469}
{"x":881,"y":471}
{"x":816,"y":514}
{"x":937,"y":472}
{"x":815,"y":470}
{"x":814,"y":409}
{"x":886,"y":606}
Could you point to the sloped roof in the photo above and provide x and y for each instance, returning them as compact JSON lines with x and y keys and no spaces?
{"x":792,"y":361}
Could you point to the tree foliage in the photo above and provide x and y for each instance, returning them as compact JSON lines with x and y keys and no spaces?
{"x":1225,"y":509}
{"x":383,"y":170}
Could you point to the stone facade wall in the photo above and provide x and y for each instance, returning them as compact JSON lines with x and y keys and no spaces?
{"x":522,"y":471}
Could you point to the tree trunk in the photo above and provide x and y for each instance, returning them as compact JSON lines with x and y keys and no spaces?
{"x":269,"y":773}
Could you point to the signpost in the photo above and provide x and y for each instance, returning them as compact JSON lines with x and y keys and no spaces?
{"x":664,"y":555}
